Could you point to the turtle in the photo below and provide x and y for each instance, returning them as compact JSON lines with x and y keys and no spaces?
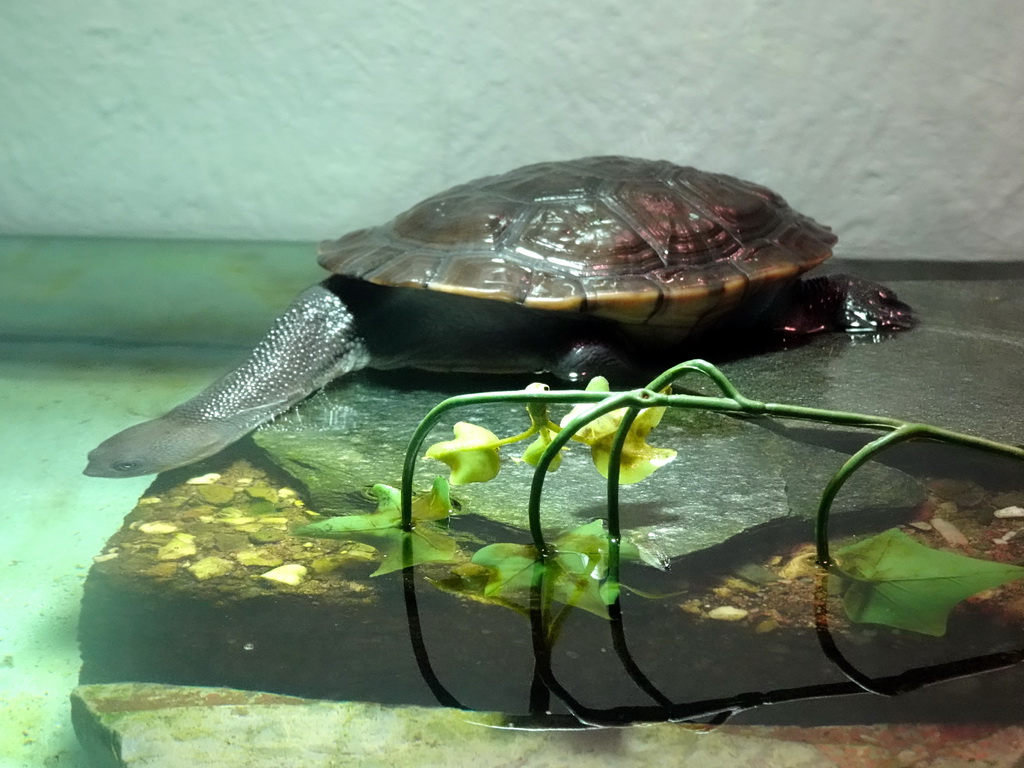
{"x":576,"y":268}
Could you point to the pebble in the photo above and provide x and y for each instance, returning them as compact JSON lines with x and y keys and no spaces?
{"x":756,"y":574}
{"x":207,"y":479}
{"x":264,"y":535}
{"x":949,"y":532}
{"x":181,"y":546}
{"x":907,"y":757}
{"x":921,"y":525}
{"x":262,"y":491}
{"x":1007,"y":512}
{"x":157,"y":526}
{"x":258,"y":557}
{"x":691,"y":606}
{"x":727,"y":613}
{"x":327,"y":563}
{"x":261,"y":507}
{"x":293,"y":574}
{"x":803,"y":564}
{"x":210,"y":568}
{"x":220,"y":495}
{"x":1005,"y":538}
{"x":1009,"y":499}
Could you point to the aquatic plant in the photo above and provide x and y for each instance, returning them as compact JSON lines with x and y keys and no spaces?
{"x":615,"y":425}
{"x":473,"y":455}
{"x":894,"y":580}
{"x":382,"y":528}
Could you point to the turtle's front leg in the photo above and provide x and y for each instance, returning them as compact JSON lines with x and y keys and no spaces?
{"x":844,"y":303}
{"x":587,"y":358}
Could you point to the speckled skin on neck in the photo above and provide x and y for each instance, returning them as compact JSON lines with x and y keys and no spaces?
{"x":311,"y":343}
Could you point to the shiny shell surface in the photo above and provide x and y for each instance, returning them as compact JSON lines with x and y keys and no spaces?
{"x":636,"y":241}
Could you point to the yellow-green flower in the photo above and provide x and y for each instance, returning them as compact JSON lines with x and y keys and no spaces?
{"x":543,"y":427}
{"x":472,"y":455}
{"x":638,"y":458}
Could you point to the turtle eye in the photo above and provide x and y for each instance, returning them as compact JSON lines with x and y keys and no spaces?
{"x":125,"y":466}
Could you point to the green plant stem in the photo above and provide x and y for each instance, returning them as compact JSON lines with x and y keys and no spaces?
{"x":730,"y":401}
{"x":462,"y":401}
{"x":614,"y":528}
{"x":606,"y":404}
{"x":904,"y":432}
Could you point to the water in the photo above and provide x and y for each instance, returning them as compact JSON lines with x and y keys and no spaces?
{"x":153,"y":614}
{"x":101,"y":359}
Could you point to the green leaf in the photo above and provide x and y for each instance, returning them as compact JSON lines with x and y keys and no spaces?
{"x":901,"y":583}
{"x":638,"y":459}
{"x":512,"y":567}
{"x":472,"y":455}
{"x":382,"y":529}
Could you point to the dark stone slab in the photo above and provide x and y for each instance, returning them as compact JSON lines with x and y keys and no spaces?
{"x":961,"y":369}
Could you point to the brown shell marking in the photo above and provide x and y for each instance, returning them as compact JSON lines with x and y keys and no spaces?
{"x":637,"y":241}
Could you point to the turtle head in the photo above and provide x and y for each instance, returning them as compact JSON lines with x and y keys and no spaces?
{"x":846,"y":303}
{"x":868,"y":306}
{"x":156,"y":446}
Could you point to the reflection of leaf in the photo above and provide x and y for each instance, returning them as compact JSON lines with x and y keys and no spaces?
{"x":382,"y":528}
{"x":576,"y":573}
{"x":387,"y":516}
{"x":429,"y":545}
{"x":511,"y":567}
{"x":639,"y":458}
{"x":901,"y":583}
{"x":434,"y":505}
{"x":472,"y":455}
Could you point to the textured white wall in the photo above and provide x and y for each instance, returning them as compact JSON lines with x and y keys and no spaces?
{"x":900,"y":124}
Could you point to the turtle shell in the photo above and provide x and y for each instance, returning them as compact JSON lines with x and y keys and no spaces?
{"x":637,"y":241}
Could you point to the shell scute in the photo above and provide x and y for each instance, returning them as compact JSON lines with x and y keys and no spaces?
{"x":491,"y":278}
{"x":456,"y":218}
{"x":645,"y":243}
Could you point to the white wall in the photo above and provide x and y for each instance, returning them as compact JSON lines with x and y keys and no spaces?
{"x":898,"y":123}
